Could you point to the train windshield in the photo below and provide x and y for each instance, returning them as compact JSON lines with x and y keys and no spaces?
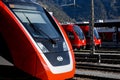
{"x":79,"y":32}
{"x":40,"y":25}
{"x":35,"y":19}
{"x":96,"y":33}
{"x":37,"y":23}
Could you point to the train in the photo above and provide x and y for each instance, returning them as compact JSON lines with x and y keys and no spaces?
{"x":86,"y":30}
{"x":109,"y":30}
{"x":109,"y":34}
{"x":36,"y":43}
{"x":76,"y":36}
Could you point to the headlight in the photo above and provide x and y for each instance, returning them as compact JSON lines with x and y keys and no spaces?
{"x":65,"y":47}
{"x":43,"y":48}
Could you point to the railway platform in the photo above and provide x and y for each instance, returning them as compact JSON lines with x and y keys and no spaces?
{"x":9,"y":72}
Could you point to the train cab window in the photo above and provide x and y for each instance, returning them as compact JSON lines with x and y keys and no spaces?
{"x":96,"y":33}
{"x":39,"y":22}
{"x":79,"y":32}
{"x":70,"y":35}
{"x":40,"y":25}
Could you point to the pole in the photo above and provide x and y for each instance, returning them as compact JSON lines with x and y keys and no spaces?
{"x":74,"y":2}
{"x":92,"y":46}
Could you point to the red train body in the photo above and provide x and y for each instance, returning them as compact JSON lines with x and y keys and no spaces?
{"x":75,"y":35}
{"x":109,"y":34}
{"x":37,"y":44}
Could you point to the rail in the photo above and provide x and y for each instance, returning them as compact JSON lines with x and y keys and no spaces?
{"x":103,"y":64}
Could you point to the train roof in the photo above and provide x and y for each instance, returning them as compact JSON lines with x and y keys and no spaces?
{"x":23,"y":4}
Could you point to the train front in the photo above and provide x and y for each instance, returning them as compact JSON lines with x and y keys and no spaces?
{"x":53,"y":55}
{"x":97,"y":39}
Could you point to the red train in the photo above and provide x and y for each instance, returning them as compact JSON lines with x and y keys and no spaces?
{"x":108,"y":34}
{"x":37,"y":43}
{"x":85,"y":28}
{"x":75,"y":35}
{"x":109,"y":30}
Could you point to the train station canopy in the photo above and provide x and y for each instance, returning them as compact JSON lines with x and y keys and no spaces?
{"x":108,"y":23}
{"x":102,"y":23}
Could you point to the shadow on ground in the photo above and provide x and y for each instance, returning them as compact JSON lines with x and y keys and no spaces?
{"x":13,"y":73}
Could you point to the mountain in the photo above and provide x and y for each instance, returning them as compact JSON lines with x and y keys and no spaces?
{"x":104,"y":9}
{"x":58,"y":13}
{"x":112,"y":8}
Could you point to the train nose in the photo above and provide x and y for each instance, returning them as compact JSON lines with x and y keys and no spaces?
{"x":58,"y":58}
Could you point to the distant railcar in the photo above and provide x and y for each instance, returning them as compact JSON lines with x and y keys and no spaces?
{"x":109,"y":34}
{"x":97,"y":40}
{"x":75,"y":35}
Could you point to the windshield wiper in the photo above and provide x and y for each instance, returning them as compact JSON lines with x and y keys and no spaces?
{"x":37,"y":30}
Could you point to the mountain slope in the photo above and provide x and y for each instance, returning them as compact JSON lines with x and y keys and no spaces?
{"x":57,"y":11}
{"x":104,"y":9}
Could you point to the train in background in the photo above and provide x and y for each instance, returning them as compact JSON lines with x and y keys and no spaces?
{"x":85,"y":28}
{"x":35,"y":41}
{"x":76,"y":36}
{"x":108,"y":34}
{"x":109,"y":30}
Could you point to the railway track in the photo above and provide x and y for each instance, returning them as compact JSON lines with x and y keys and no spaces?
{"x":96,"y":75}
{"x":103,"y":64}
{"x":97,"y":71}
{"x":100,"y":51}
{"x":98,"y":58}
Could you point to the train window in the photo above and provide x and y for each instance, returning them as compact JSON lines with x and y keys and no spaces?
{"x":96,"y":33}
{"x":40,"y":26}
{"x":39,"y":21}
{"x":79,"y":32}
